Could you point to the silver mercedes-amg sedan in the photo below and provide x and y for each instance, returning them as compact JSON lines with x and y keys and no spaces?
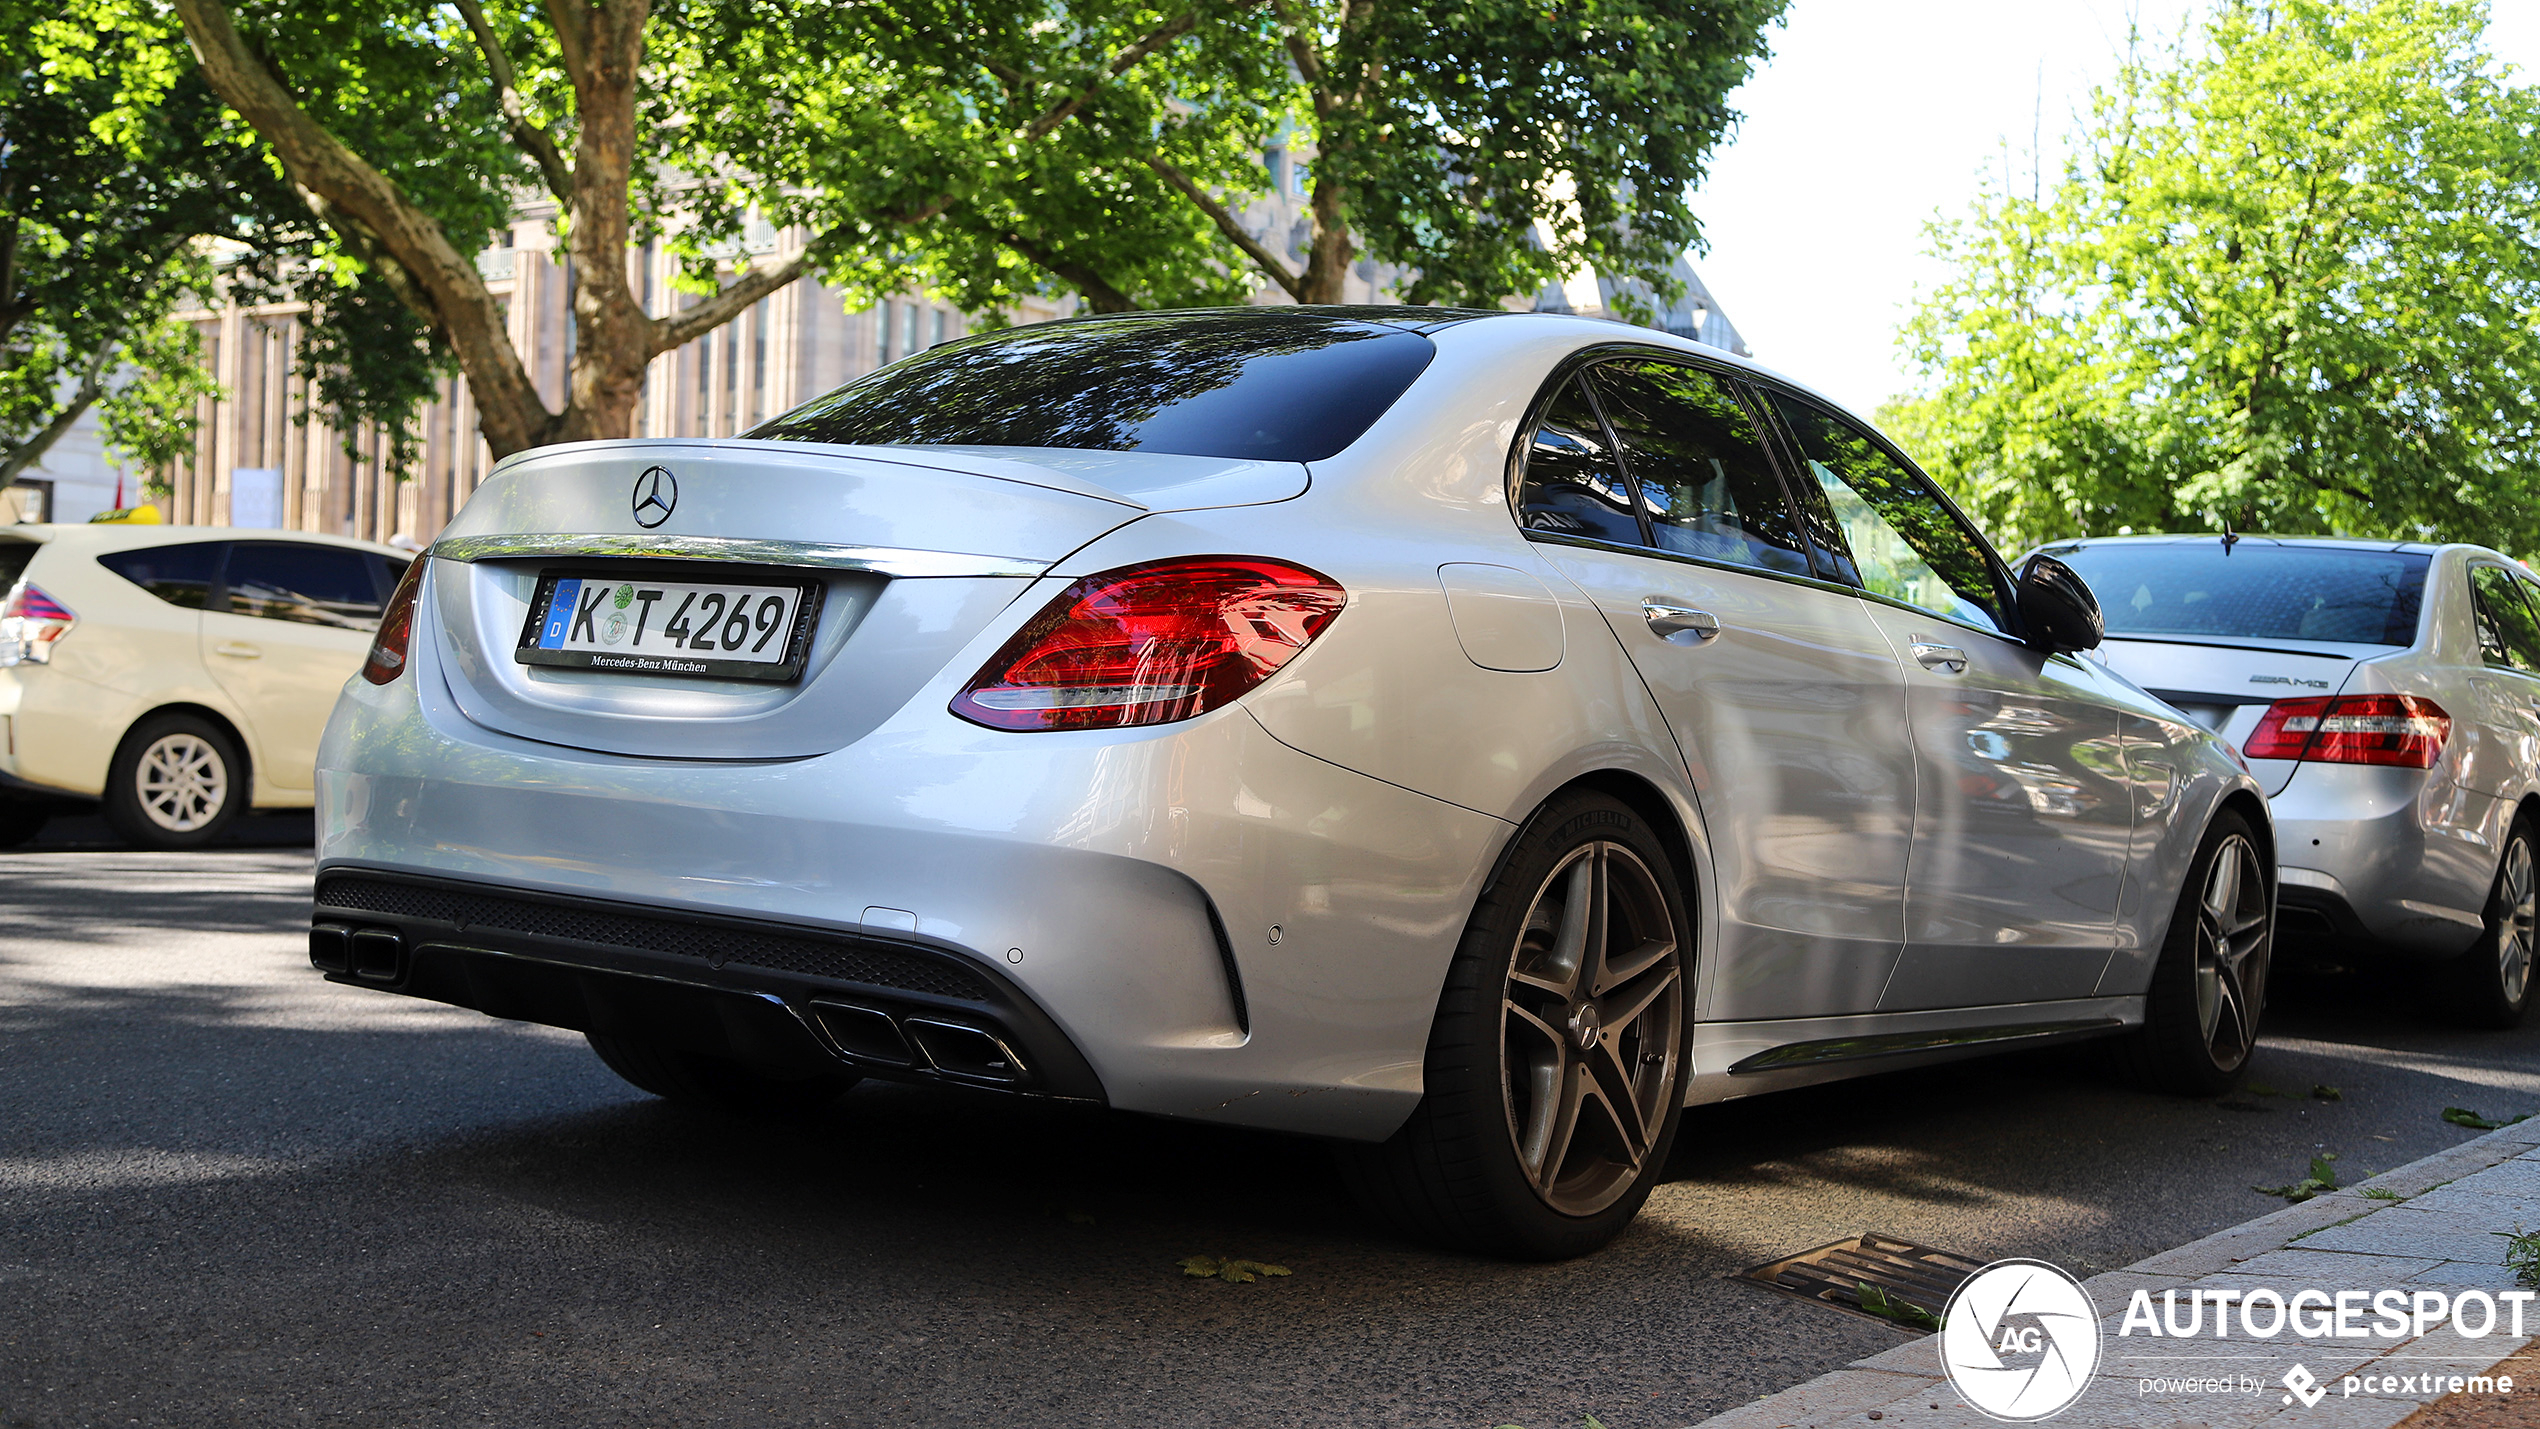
{"x":2388,"y":697}
{"x":1471,"y":737}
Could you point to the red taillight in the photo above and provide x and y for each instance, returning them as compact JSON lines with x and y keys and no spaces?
{"x":31,"y":622}
{"x":1151,"y":644}
{"x":396,"y":626}
{"x":2403,"y":730}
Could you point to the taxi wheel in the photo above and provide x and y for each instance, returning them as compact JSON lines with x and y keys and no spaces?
{"x":696,"y":1078}
{"x":176,"y":782}
{"x":2491,"y":983}
{"x":21,"y":820}
{"x":2201,"y":1013}
{"x":1556,"y":1068}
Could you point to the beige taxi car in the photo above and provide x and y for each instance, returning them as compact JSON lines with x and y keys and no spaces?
{"x":174,"y":676}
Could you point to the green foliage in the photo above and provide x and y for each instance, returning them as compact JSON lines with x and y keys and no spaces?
{"x":1490,"y":122}
{"x":135,"y":191}
{"x":984,"y":154}
{"x":1904,"y":1312}
{"x":2321,"y":1181}
{"x":2289,"y":279}
{"x":108,"y":183}
{"x":1234,"y":1271}
{"x":2522,"y":1254}
{"x":2463,"y":1116}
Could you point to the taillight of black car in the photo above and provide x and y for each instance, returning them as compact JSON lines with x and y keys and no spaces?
{"x":2404,"y":731}
{"x":1151,"y":644}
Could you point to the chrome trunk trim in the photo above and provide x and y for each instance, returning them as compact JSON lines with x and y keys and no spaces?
{"x":880,"y":560}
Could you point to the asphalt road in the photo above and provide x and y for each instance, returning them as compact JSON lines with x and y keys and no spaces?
{"x":231,"y":1194}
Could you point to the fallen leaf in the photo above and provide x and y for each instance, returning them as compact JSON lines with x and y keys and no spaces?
{"x":2321,"y":1181}
{"x":1229,"y":1268}
{"x":2322,"y":1092}
{"x":2463,"y":1116}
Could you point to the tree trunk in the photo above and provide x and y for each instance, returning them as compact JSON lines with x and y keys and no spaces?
{"x":443,"y":281}
{"x":603,"y":45}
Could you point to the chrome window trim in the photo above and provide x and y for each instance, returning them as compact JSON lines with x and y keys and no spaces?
{"x":1590,"y":543}
{"x":1767,"y":439}
{"x":1888,"y":600}
{"x":879,"y":560}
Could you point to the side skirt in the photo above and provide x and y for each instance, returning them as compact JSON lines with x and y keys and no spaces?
{"x":1737,"y":1059}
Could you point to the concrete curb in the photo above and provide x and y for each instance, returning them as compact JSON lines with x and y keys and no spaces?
{"x":2439,"y":1233}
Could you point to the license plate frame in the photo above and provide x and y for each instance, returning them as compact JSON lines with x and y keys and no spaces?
{"x":807,"y":590}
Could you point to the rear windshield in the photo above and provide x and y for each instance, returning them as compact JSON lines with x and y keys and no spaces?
{"x":14,"y":556}
{"x":2255,"y":590}
{"x":1243,"y":384}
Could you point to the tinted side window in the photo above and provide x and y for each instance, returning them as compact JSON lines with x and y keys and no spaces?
{"x":1691,"y":447}
{"x":1572,"y":485}
{"x":1899,"y":540}
{"x":179,"y":575}
{"x":309,"y":585}
{"x":2507,"y":634}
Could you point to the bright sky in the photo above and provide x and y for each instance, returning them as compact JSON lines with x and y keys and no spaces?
{"x":1885,"y":113}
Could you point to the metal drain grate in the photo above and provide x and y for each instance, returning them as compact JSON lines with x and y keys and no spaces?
{"x":1834,"y":1274}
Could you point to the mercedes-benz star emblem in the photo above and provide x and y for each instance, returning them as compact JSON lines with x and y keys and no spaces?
{"x":656,"y":495}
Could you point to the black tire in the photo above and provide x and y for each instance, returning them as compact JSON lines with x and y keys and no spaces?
{"x":177,"y":782}
{"x":21,"y":820}
{"x":696,"y":1078}
{"x":2490,"y":985}
{"x":1485,"y":1164}
{"x":2209,"y":988}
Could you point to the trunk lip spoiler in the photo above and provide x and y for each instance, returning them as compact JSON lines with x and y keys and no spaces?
{"x":895,"y":561}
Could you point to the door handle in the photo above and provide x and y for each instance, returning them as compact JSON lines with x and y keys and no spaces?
{"x":237,"y":650}
{"x":1947,"y":659}
{"x":1669,"y":619}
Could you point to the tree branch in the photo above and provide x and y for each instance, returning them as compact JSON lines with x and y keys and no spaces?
{"x":761,"y":279}
{"x":1097,"y":291}
{"x":1309,"y":61}
{"x":92,"y":384}
{"x":512,"y":415}
{"x":537,"y":143}
{"x":1121,"y":64}
{"x":1232,"y":227}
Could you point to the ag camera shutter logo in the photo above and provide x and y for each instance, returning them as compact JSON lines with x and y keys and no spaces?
{"x":2020,"y":1340}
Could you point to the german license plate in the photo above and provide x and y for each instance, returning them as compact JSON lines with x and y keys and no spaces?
{"x":680,"y":624}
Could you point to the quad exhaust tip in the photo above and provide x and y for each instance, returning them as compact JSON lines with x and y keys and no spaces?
{"x":371,"y":954}
{"x":960,"y":1050}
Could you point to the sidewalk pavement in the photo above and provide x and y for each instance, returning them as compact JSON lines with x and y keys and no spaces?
{"x":2438,"y":1235}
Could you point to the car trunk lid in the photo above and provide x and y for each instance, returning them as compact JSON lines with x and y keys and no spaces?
{"x":2227,"y":687}
{"x":912,"y":552}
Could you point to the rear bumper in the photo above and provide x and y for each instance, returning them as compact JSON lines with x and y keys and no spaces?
{"x":776,"y":996}
{"x":1220,"y":927}
{"x":2394,"y":857}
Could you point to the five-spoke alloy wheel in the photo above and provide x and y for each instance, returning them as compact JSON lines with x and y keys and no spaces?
{"x":2234,"y":915}
{"x":1555,"y":1075}
{"x":1593,"y":1026}
{"x":2491,"y":983}
{"x":2210,"y":985}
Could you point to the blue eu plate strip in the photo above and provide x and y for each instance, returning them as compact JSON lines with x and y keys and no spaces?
{"x":559,"y":611}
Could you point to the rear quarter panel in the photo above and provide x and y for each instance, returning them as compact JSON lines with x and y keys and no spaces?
{"x":2181,"y":776}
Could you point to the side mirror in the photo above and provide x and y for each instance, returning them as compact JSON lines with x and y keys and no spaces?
{"x":2056,"y":606}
